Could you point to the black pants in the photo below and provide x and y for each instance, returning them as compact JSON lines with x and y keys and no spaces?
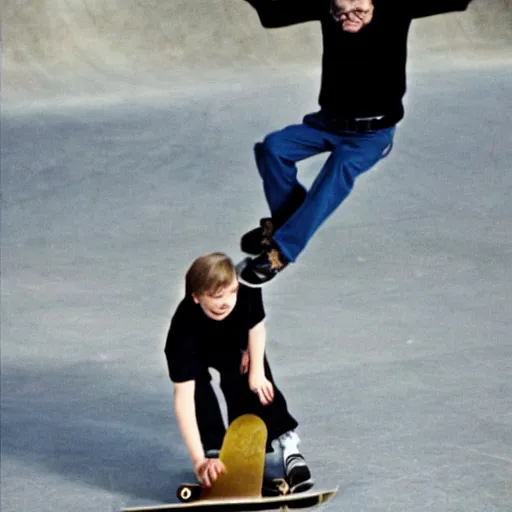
{"x":239,"y":400}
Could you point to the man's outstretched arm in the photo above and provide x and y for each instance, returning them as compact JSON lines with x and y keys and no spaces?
{"x":282,"y":13}
{"x":423,"y":8}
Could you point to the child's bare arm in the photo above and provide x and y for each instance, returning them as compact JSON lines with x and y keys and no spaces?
{"x":184,"y":407}
{"x":206,"y":470}
{"x":257,"y":380}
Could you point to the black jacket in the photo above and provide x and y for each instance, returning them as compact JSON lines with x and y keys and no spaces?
{"x":363,"y":74}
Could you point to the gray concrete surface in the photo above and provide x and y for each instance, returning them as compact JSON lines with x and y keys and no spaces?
{"x":127,"y":132}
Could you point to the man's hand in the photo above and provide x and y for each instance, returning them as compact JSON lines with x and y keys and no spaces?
{"x":207,"y":471}
{"x":260,"y":385}
{"x":244,"y":365}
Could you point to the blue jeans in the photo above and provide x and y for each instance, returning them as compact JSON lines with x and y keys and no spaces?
{"x":352,"y":153}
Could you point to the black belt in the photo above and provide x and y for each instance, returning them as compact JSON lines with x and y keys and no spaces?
{"x":362,"y":124}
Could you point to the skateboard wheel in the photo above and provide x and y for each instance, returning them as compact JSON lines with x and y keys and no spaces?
{"x":186,"y":493}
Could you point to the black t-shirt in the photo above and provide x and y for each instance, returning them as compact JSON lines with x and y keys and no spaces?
{"x":196,"y":341}
{"x":363,"y":74}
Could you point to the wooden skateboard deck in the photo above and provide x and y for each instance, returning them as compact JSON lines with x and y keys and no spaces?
{"x":243,"y":455}
{"x":289,"y":501}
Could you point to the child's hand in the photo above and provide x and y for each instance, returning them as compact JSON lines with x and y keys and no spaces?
{"x":207,"y":471}
{"x":260,"y":385}
{"x":244,"y":365}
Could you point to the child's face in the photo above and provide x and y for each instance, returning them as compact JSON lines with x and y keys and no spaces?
{"x":218,"y":304}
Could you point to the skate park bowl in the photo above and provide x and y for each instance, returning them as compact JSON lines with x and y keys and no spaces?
{"x":90,"y":48}
{"x":127,"y":151}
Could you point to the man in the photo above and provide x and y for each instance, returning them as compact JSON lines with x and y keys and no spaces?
{"x":363,"y":83}
{"x":220,"y":324}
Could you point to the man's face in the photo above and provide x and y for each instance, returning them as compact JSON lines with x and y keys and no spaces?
{"x":219,"y":303}
{"x":352,"y":15}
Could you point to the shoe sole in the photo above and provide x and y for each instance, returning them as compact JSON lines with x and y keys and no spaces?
{"x":239,"y":270}
{"x":303,"y":486}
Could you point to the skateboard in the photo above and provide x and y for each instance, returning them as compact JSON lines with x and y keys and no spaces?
{"x":282,"y":503}
{"x":239,"y":488}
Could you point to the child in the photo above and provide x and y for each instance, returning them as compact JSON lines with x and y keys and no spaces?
{"x":220,"y":324}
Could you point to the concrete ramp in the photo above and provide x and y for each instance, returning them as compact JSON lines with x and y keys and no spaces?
{"x":72,"y":47}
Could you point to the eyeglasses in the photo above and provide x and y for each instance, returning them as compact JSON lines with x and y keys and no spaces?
{"x":339,"y":15}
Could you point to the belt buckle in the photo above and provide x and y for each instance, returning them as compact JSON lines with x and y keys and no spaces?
{"x":367,"y":123}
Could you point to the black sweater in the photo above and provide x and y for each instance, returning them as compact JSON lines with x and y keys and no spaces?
{"x":363,"y":74}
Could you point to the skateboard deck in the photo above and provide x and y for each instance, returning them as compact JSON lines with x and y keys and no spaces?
{"x":243,"y":455}
{"x":288,"y":501}
{"x":239,"y":488}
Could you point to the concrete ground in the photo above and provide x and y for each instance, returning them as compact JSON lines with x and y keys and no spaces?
{"x":127,"y":139}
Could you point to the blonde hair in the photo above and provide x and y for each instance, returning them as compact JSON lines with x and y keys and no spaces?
{"x":209,"y":273}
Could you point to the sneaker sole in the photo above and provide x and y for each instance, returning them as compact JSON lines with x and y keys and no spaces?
{"x":240,"y":267}
{"x":303,"y":486}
